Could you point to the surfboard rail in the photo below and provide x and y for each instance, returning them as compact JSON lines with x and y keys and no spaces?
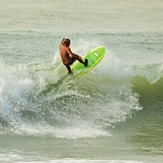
{"x":94,"y":57}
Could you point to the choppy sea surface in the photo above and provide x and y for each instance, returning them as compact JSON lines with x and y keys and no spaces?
{"x":112,"y":114}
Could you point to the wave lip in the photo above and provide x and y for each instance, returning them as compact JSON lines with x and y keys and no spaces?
{"x":34,"y":100}
{"x":68,"y":109}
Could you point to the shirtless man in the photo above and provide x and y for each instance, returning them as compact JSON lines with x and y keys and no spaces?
{"x":67,"y":56}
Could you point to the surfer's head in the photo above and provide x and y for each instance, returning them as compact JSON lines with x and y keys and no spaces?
{"x":66,"y":41}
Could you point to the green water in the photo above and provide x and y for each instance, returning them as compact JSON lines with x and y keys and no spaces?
{"x":111,"y":114}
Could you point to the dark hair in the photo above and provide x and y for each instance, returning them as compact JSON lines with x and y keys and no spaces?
{"x":66,"y":41}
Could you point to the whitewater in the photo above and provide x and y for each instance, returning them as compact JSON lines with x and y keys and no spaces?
{"x":111,"y":114}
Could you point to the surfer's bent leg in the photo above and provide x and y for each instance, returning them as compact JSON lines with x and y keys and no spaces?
{"x":73,"y":59}
{"x":77,"y":57}
{"x":68,"y":68}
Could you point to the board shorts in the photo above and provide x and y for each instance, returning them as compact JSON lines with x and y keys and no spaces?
{"x":73,"y":59}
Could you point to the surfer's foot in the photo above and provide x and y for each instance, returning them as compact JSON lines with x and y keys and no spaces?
{"x":86,"y":63}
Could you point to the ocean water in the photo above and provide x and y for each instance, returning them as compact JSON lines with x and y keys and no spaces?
{"x":113,"y":114}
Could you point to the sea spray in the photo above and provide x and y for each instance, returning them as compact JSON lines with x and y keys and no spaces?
{"x":69,"y":105}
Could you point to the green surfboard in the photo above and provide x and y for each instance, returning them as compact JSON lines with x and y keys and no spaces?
{"x":94,"y":57}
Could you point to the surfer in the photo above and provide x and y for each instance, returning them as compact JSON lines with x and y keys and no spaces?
{"x":67,"y":56}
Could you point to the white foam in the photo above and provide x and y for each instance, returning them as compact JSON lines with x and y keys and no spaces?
{"x":79,"y":121}
{"x":151,"y":72}
{"x":56,"y":58}
{"x":69,"y":132}
{"x":86,"y":46}
{"x":113,"y":67}
{"x":14,"y":84}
